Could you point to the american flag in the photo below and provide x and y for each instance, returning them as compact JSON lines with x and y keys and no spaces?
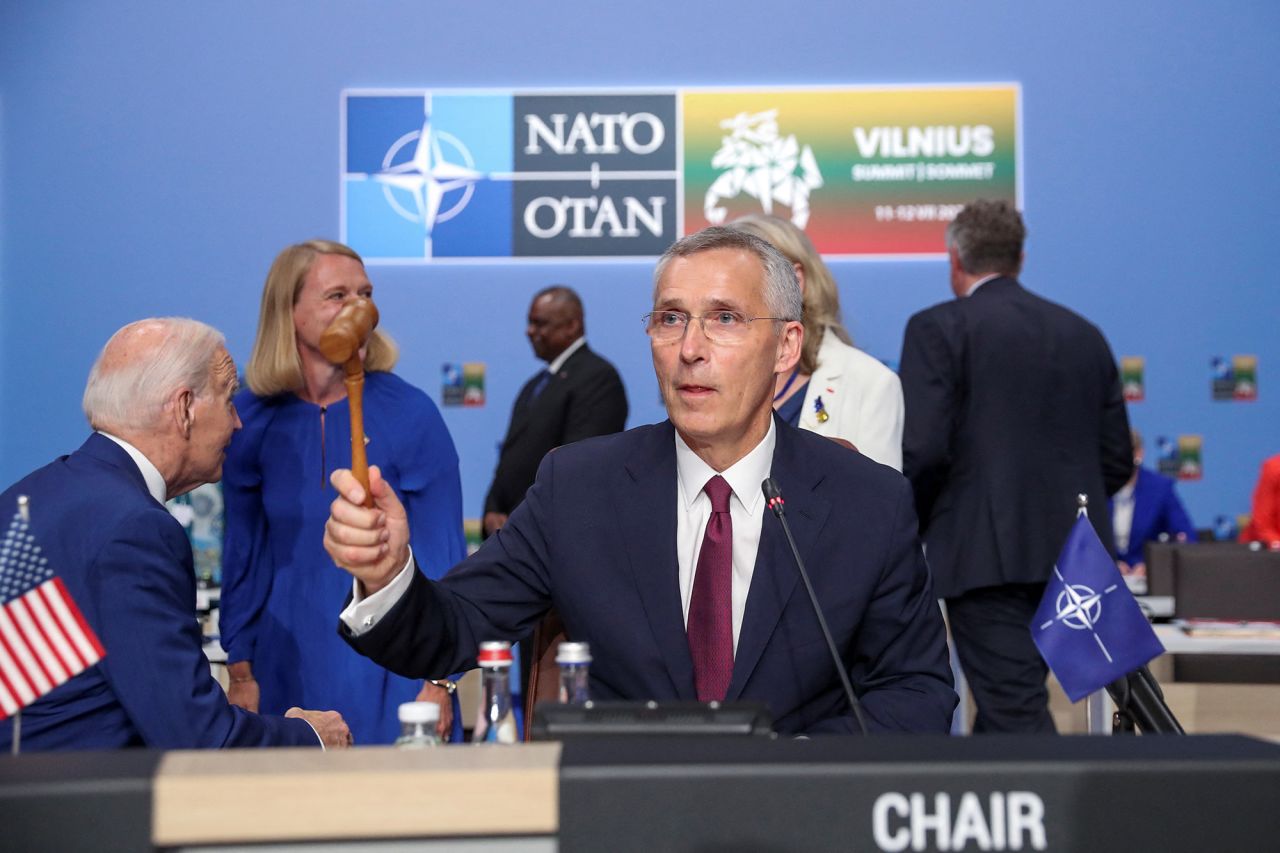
{"x":44,"y":639}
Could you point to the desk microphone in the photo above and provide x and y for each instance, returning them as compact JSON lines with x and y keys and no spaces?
{"x":773,"y":498}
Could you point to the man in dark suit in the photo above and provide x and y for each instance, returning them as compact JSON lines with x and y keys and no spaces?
{"x":653,"y":544}
{"x":578,"y":396}
{"x":159,"y":400}
{"x":1013,"y":408}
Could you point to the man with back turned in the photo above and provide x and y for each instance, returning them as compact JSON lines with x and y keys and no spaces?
{"x":1013,"y":407}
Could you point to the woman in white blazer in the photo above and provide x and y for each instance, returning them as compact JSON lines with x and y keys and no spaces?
{"x":836,"y":390}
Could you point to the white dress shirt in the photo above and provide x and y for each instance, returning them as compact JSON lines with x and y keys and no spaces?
{"x":746,"y":510}
{"x":1122,"y":516}
{"x":693,"y":510}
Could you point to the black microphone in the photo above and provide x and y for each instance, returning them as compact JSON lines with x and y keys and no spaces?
{"x":773,"y":498}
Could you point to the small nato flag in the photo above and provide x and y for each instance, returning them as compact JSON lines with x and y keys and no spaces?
{"x":1089,"y":628}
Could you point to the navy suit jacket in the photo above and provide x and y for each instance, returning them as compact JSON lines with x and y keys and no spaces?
{"x":127,"y":564}
{"x":595,"y":538}
{"x":1156,"y":510}
{"x":1013,"y":407}
{"x":585,"y":398}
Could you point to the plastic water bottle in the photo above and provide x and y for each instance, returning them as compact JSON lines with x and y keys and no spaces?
{"x":574,"y":659}
{"x":418,"y":725}
{"x":497,"y":723}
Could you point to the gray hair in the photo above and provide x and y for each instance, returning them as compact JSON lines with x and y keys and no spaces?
{"x":781,"y":290}
{"x":988,"y":237}
{"x":127,"y":392}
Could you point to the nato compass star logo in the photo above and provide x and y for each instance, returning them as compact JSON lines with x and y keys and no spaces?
{"x":428,"y":176}
{"x":422,"y":175}
{"x":1079,"y":608}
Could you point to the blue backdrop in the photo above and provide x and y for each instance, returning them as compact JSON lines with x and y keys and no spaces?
{"x":154,"y":156}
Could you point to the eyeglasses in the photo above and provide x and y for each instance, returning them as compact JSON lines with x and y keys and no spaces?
{"x":722,"y":327}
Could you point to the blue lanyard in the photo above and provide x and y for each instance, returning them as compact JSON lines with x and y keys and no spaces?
{"x":787,"y":387}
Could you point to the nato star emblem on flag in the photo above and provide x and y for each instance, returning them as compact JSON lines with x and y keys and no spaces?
{"x":1089,"y":628}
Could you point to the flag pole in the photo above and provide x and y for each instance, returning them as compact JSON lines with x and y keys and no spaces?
{"x":1134,"y":701}
{"x":15,"y":746}
{"x":1099,"y":710}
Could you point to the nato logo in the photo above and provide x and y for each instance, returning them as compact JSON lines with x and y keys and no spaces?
{"x":457,"y":175}
{"x":1085,"y":649}
{"x":417,"y":167}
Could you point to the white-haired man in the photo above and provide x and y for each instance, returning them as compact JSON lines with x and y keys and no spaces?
{"x":159,"y":401}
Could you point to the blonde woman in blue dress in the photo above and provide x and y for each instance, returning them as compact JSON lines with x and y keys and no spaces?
{"x":280,"y":589}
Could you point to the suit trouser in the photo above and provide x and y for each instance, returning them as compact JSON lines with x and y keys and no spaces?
{"x":991,"y":629}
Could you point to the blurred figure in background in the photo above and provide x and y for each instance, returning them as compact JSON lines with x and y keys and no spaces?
{"x":1144,"y":508}
{"x":1265,"y":523}
{"x":579,"y":395}
{"x":835,"y":390}
{"x":279,"y":586}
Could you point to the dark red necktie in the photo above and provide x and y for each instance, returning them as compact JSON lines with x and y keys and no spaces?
{"x":710,"y":625}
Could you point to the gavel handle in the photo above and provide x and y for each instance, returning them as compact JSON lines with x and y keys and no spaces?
{"x":354,"y":380}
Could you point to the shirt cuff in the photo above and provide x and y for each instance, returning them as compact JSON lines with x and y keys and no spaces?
{"x":363,"y":613}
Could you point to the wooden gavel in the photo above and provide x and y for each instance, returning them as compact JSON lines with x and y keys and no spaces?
{"x":341,"y":344}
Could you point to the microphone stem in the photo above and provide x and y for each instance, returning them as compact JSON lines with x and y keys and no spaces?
{"x":826,"y":632}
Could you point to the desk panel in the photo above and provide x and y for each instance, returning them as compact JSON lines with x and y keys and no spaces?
{"x":620,"y":794}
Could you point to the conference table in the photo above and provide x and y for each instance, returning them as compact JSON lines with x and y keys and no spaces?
{"x":655,"y":793}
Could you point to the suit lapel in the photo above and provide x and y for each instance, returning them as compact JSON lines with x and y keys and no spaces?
{"x":775,"y":577}
{"x":647,"y":510}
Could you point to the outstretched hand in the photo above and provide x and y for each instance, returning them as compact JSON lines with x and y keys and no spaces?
{"x":371,"y":544}
{"x":329,"y":726}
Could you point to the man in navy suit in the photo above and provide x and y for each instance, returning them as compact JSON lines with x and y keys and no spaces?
{"x":159,"y":400}
{"x":1013,"y":408}
{"x":1144,"y":508}
{"x":653,"y":545}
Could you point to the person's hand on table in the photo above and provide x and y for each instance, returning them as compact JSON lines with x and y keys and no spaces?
{"x":329,"y":725}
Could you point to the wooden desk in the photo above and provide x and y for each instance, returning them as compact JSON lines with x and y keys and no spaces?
{"x":267,"y":795}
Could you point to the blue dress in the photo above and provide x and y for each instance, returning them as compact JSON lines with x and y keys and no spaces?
{"x":281,"y":593}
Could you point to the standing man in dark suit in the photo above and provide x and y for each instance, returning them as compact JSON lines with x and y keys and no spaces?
{"x":653,"y":545}
{"x":578,"y":396}
{"x":159,"y":400}
{"x":1013,"y":407}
